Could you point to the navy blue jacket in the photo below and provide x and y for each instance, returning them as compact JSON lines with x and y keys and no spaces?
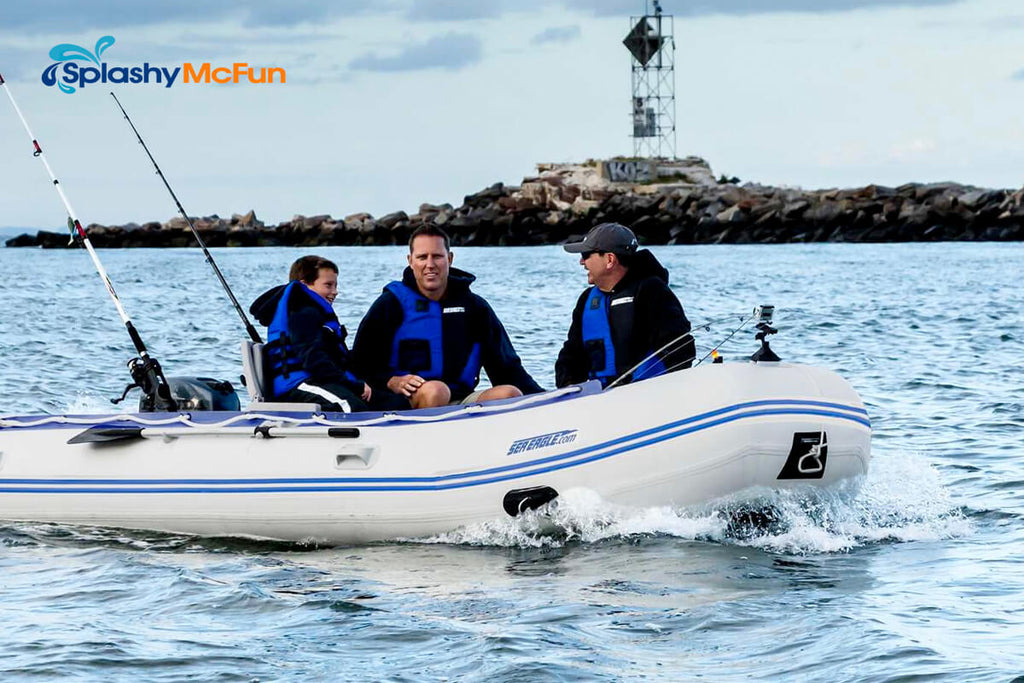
{"x":319,"y":351}
{"x":647,"y":317}
{"x":475,"y":324}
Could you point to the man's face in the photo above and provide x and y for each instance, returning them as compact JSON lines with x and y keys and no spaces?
{"x":326,"y":284}
{"x":429,"y":261}
{"x":595,"y":263}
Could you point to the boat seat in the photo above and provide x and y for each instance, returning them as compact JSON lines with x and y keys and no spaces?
{"x":255,"y":380}
{"x":253,"y":371}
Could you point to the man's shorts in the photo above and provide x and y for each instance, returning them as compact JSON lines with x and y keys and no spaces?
{"x":469,"y":400}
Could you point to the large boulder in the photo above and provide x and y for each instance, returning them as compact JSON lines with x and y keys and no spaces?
{"x":22,"y":240}
{"x":390,"y":220}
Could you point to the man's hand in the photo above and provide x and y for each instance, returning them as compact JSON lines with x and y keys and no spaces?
{"x":405,"y":384}
{"x":367,"y":391}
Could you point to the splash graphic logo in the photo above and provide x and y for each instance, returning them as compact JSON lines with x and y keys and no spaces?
{"x":66,"y":72}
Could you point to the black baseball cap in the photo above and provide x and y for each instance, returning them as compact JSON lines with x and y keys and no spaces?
{"x":607,"y":237}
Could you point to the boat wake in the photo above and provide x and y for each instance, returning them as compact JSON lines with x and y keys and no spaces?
{"x":902,"y":499}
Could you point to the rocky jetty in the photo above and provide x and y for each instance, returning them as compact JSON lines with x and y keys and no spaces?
{"x":665,"y":202}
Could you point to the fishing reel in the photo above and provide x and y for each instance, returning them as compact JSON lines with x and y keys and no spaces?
{"x":147,"y":376}
{"x":171,"y":394}
{"x":763,"y":315}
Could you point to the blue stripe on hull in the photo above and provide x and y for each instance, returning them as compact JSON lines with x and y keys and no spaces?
{"x":437,"y":483}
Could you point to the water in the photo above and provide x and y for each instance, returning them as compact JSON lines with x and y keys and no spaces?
{"x":915,"y":577}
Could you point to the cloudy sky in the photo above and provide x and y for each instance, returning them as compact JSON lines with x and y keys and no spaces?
{"x":392,"y":103}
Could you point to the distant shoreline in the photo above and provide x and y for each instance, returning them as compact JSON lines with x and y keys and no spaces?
{"x":664,"y":201}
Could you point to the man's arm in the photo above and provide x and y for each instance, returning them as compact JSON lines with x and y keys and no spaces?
{"x":573,"y":364}
{"x":500,"y":359}
{"x":376,"y":334}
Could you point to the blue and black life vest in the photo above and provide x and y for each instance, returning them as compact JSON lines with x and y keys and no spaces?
{"x":418,"y":347}
{"x":607,"y":324}
{"x":283,"y":363}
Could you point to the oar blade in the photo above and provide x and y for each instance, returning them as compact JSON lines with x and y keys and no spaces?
{"x":107,"y":435}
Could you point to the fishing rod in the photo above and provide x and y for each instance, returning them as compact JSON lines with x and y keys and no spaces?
{"x":763,"y":315}
{"x":664,"y":353}
{"x":145,"y":370}
{"x":681,"y":339}
{"x":253,"y":334}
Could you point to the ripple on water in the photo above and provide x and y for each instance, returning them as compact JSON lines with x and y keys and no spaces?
{"x":914,"y":576}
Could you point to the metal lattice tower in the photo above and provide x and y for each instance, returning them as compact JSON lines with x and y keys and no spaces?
{"x":653,"y":48}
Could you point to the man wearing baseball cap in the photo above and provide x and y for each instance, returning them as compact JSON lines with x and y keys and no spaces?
{"x":627,"y":314}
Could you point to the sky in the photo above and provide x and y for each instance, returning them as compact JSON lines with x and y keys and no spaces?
{"x":391,"y":103}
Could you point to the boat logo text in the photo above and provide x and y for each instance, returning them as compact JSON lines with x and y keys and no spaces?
{"x":76,"y":67}
{"x":543,"y":441}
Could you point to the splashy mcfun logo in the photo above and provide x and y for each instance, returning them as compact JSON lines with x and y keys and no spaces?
{"x":66,"y":72}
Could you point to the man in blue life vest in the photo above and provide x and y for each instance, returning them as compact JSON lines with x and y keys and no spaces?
{"x":306,"y":353}
{"x":428,"y":336}
{"x":627,"y":314}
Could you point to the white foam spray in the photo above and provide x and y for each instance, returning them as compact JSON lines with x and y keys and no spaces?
{"x":902,"y":499}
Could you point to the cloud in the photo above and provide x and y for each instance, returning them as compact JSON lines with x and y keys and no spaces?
{"x":706,"y":7}
{"x":293,"y":37}
{"x":453,"y":10}
{"x":556,"y":34}
{"x":21,"y":63}
{"x":1018,"y":75}
{"x":55,"y":16}
{"x":451,"y":51}
{"x":296,"y":12}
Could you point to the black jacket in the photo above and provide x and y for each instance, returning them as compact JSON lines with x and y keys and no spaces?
{"x":653,"y":318}
{"x":319,"y":350}
{"x":372,"y":348}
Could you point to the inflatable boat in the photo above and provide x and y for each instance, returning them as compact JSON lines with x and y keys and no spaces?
{"x":292,"y":473}
{"x":191,"y":462}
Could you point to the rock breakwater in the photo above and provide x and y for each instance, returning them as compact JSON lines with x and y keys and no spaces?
{"x":678,"y":202}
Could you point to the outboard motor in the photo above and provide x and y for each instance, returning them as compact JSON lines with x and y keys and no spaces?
{"x":200,"y":393}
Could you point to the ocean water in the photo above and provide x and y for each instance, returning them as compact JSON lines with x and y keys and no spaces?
{"x":917,"y":576}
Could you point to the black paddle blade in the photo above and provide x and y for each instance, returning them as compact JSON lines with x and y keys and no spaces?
{"x":107,"y":435}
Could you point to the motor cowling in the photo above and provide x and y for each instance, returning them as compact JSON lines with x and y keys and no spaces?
{"x":201,"y":393}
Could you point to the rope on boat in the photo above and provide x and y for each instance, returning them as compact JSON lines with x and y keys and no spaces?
{"x":315,"y":419}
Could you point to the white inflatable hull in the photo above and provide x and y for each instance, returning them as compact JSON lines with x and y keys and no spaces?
{"x":685,"y":438}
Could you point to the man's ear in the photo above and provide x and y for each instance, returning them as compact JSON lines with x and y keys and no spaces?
{"x":451,"y":257}
{"x":408,"y":257}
